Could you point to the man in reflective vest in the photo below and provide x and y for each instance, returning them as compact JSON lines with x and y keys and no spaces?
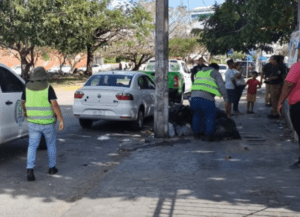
{"x":41,"y":110}
{"x":208,"y":84}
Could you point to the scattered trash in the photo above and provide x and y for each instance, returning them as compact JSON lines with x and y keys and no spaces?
{"x":183,"y":130}
{"x":171,"y":130}
{"x":182,"y":116}
{"x":126,"y":140}
{"x":228,"y":157}
{"x":103,"y":138}
{"x":246,"y":149}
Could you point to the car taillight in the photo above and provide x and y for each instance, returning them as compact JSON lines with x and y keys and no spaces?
{"x":124,"y":96}
{"x":176,"y":83}
{"x":78,"y":95}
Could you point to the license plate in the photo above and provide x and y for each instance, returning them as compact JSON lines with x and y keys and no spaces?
{"x":98,"y":112}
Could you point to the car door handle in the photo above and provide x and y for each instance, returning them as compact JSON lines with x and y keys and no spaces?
{"x":8,"y":102}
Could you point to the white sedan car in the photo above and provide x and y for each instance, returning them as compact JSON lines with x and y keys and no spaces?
{"x":64,"y":69}
{"x":222,"y":70}
{"x":121,"y":96}
{"x":12,"y":122}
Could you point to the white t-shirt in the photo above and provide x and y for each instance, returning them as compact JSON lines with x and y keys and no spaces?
{"x":239,"y":81}
{"x":229,"y":74}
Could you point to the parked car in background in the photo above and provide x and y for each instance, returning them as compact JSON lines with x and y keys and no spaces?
{"x":179,"y":78}
{"x":251,"y":67}
{"x":64,"y":69}
{"x":118,"y":96}
{"x":222,"y":70}
{"x":97,"y":68}
{"x":18,"y":70}
{"x":12,"y":122}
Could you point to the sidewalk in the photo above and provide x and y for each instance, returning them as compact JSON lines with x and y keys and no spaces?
{"x":248,"y":177}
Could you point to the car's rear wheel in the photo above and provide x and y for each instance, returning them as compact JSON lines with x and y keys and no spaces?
{"x":85,"y":123}
{"x":139,"y":123}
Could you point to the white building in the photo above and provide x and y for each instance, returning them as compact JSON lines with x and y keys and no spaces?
{"x":198,"y":13}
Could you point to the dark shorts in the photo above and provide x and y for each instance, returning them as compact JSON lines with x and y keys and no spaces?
{"x":231,"y":95}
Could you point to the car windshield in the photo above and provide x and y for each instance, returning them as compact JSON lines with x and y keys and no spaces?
{"x":223,"y":67}
{"x":109,"y":80}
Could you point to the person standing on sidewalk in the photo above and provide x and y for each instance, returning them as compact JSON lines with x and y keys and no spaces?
{"x":208,"y":84}
{"x":230,"y":84}
{"x":252,"y":84}
{"x":266,"y":72}
{"x":240,"y":86}
{"x":41,"y":110}
{"x":197,"y":68}
{"x":276,"y":81}
{"x":291,"y":90}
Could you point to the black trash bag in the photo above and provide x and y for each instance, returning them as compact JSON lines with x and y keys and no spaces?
{"x":180,"y":115}
{"x":225,"y":127}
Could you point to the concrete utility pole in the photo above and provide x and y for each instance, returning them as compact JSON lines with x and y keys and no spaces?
{"x":161,"y":114}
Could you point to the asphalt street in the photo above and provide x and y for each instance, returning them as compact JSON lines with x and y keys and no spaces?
{"x":84,"y":156}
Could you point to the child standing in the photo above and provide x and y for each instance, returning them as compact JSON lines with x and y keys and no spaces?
{"x":251,"y":93}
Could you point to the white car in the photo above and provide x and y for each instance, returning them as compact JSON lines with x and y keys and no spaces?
{"x":18,"y":70}
{"x":222,"y":70}
{"x":12,"y":122}
{"x":97,"y":68}
{"x":121,"y":96}
{"x":64,"y":69}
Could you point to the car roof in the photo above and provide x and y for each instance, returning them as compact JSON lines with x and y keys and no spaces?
{"x":130,"y":73}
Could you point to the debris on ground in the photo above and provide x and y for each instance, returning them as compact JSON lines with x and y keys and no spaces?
{"x":228,"y":157}
{"x":182,"y":117}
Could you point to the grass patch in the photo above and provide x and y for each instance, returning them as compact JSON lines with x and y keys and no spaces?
{"x":69,"y":80}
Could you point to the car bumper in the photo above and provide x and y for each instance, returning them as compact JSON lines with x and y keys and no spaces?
{"x":119,"y":113}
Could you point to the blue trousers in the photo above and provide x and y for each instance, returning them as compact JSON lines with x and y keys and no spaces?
{"x":35,"y":133}
{"x":204,"y":115}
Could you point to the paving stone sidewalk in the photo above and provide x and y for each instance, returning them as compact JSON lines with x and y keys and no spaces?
{"x":248,"y":177}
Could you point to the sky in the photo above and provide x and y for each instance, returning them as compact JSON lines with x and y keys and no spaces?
{"x":192,"y":3}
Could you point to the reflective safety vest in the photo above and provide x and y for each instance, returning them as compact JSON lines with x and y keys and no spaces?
{"x":38,"y":108}
{"x":204,"y":82}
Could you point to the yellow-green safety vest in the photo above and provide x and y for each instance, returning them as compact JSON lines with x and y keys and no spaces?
{"x":39,"y":110}
{"x":204,"y":82}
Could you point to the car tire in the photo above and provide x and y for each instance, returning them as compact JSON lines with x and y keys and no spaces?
{"x":43,"y":144}
{"x":139,"y":123}
{"x":85,"y":123}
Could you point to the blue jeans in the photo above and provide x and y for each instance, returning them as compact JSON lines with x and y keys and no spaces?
{"x":35,"y":133}
{"x":204,"y":115}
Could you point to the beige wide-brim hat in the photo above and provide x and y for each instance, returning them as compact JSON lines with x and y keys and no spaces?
{"x":38,"y":80}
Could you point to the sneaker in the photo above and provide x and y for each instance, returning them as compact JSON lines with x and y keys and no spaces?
{"x":30,"y":175}
{"x":208,"y":138}
{"x":248,"y":112}
{"x":296,"y":165}
{"x":53,"y":170}
{"x":198,"y":136}
{"x":251,"y":112}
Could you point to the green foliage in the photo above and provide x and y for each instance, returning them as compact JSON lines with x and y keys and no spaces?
{"x":180,"y":47}
{"x":110,"y":60}
{"x":248,"y":24}
{"x":237,"y":55}
{"x":45,"y":56}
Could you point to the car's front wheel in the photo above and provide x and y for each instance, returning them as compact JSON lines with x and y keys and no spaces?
{"x":85,"y":123}
{"x":139,"y":123}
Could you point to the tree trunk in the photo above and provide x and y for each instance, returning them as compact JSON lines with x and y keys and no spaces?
{"x":25,"y":65}
{"x":90,"y":59}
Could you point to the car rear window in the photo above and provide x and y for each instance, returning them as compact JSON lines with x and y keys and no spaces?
{"x":223,"y":67}
{"x":109,"y":80}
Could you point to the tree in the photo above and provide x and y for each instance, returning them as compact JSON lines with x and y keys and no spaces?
{"x":184,"y":47}
{"x":22,"y":28}
{"x":248,"y":24}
